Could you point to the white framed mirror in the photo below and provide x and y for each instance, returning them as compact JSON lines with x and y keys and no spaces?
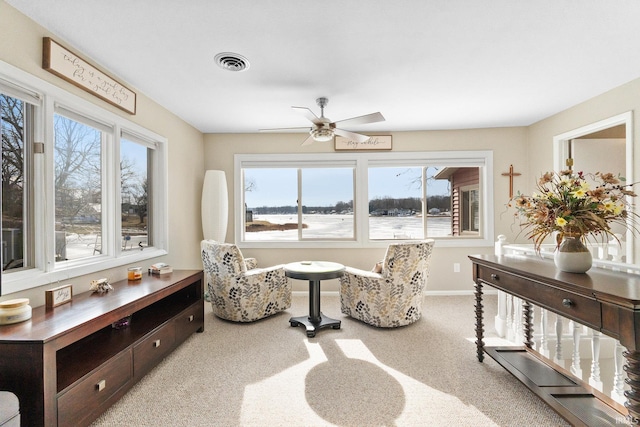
{"x":605,"y":146}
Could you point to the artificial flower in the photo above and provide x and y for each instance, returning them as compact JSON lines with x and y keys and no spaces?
{"x":566,"y":203}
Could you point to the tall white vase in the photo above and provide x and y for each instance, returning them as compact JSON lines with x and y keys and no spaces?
{"x":215,"y":206}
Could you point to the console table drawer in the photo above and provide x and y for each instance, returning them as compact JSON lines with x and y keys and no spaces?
{"x":85,"y":398}
{"x":149,"y":351}
{"x":565,"y":303}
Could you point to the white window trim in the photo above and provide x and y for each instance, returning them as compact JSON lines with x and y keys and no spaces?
{"x":46,"y":270}
{"x":363,"y":161}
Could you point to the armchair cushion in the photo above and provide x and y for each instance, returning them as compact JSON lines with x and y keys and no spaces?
{"x":250,"y":263}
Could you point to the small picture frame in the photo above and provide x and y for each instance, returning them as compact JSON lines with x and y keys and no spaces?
{"x":58,"y":296}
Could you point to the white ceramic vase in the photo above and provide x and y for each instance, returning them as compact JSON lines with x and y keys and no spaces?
{"x":572,"y":256}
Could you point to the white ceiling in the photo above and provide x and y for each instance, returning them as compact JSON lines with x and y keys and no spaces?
{"x":425,"y":64}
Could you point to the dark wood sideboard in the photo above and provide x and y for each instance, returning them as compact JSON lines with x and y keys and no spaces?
{"x":604,"y":300}
{"x":67,"y":364}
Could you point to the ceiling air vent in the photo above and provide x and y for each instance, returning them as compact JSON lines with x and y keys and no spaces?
{"x":232,"y":61}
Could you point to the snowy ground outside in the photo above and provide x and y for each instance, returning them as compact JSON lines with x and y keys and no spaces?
{"x":80,"y":245}
{"x":341,"y":226}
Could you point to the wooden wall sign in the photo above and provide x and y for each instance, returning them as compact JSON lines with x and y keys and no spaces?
{"x":376,"y":142}
{"x":70,"y":67}
{"x":57,"y":296}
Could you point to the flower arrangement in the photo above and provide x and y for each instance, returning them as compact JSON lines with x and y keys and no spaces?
{"x":566,"y":203}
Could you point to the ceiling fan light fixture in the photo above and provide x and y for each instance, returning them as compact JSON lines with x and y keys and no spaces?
{"x":322,"y":134}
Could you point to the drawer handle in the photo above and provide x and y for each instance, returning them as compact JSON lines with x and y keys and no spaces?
{"x":567,"y":302}
{"x":156,"y":343}
{"x":101,"y":385}
{"x":495,"y":276}
{"x":190,"y":318}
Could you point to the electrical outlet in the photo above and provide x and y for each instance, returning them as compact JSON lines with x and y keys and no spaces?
{"x":456,"y":267}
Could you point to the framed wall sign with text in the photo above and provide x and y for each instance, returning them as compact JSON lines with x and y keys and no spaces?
{"x":375,"y":142}
{"x":67,"y":65}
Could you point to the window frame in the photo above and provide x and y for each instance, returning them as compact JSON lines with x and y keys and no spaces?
{"x":467,"y":208}
{"x":30,"y":104}
{"x":45,"y":270}
{"x":481,"y":158}
{"x":154,"y":173}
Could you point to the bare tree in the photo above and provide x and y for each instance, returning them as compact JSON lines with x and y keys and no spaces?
{"x":12,"y":119}
{"x":128,"y":176}
{"x":77,"y":167}
{"x":250,"y":185}
{"x":142,"y":200}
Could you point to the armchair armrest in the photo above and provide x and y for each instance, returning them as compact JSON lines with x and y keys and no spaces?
{"x":267,"y":277}
{"x":364,"y":273}
{"x":250,"y":263}
{"x":259,"y":270}
{"x":257,"y":275}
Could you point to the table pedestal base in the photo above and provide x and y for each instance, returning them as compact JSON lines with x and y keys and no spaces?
{"x":313,"y":325}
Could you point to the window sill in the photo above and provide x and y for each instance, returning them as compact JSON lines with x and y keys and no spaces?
{"x":27,"y":279}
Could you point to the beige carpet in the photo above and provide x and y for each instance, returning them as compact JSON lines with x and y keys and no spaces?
{"x":269,"y":374}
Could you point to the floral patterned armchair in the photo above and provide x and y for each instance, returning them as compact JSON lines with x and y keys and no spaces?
{"x":237,"y":289}
{"x":392,"y":294}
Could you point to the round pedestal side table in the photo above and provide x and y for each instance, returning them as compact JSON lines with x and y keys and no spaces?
{"x":314,"y":272}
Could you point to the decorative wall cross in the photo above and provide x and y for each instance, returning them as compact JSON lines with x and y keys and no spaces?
{"x":511,"y":174}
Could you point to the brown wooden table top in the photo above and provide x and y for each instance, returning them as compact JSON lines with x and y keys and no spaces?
{"x":47,"y":323}
{"x":616,"y":287}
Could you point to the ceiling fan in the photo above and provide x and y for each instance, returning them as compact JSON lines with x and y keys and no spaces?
{"x":324,"y":129}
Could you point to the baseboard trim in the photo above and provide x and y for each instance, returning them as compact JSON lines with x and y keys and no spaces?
{"x":428,"y":293}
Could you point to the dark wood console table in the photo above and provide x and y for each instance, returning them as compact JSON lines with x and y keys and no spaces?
{"x":604,"y":300}
{"x":68,"y":364}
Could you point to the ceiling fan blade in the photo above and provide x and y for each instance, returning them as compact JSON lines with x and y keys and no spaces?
{"x":357,"y":137}
{"x":307,"y":141}
{"x":308,"y":114}
{"x":360,"y":120}
{"x":306,"y":128}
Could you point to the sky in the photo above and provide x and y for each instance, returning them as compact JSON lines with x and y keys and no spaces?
{"x":326,"y":187}
{"x":137,"y":155}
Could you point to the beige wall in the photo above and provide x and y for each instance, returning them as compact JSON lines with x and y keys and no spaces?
{"x":614,"y":102}
{"x":529,"y":149}
{"x":617,"y":101}
{"x":21,"y":46}
{"x":507,"y":144}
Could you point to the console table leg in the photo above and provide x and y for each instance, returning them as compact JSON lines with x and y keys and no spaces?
{"x":479,"y":322}
{"x":528,"y":328}
{"x":632,"y":368}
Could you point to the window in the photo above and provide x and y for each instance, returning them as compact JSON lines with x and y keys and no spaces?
{"x":290,"y":204}
{"x":135,"y":184}
{"x":78,"y":188}
{"x":327,"y":200}
{"x":470,"y":211}
{"x":364,"y":198}
{"x":16,"y":120}
{"x":395,"y":203}
{"x":83,"y":189}
{"x":271,"y":211}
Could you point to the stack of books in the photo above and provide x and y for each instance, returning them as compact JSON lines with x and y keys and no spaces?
{"x":160,"y":268}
